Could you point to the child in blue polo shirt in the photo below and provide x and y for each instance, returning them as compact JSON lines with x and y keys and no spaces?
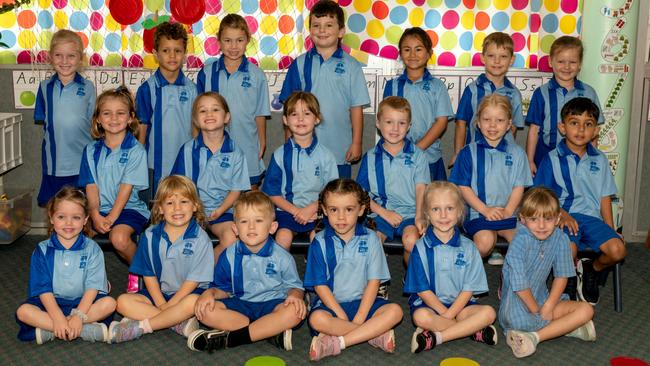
{"x":64,"y":106}
{"x":176,"y":261}
{"x":345,"y":266}
{"x":497,"y":56}
{"x":492,"y":173}
{"x":427,"y":95}
{"x":246,"y":90}
{"x":337,"y":80}
{"x":215,"y":164}
{"x":529,"y":313}
{"x":444,"y":272}
{"x":257,"y":293}
{"x":579,"y":175}
{"x":164,"y":102}
{"x":395,"y":173}
{"x":67,"y":279}
{"x":299,"y":170}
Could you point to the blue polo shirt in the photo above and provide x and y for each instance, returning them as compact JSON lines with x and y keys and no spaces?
{"x":429,"y":100}
{"x":475,"y":92}
{"x":390,"y":180}
{"x":108,"y":169}
{"x":299,"y":174}
{"x":579,"y":183}
{"x":338,"y":84}
{"x":247,"y":94}
{"x":215,"y":175}
{"x":67,"y":273}
{"x":446,"y":269}
{"x":67,"y":113}
{"x":491,"y":172}
{"x":344,"y":267}
{"x":189,"y":258}
{"x":167,"y":111}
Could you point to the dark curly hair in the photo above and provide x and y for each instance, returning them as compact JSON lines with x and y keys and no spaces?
{"x":345,"y":186}
{"x":169,"y":30}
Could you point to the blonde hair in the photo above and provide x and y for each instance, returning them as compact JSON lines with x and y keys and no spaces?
{"x":564,"y":43}
{"x":539,"y":201}
{"x":234,"y":21}
{"x":123,"y":95}
{"x":499,"y":39}
{"x":209,"y":94}
{"x":307,"y":98}
{"x":73,"y":195}
{"x":396,"y":103}
{"x":495,"y":100}
{"x":439,"y":186}
{"x":182,"y":186}
{"x":67,"y":36}
{"x":256,"y":200}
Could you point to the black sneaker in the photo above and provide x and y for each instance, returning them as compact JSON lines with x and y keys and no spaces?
{"x":207,"y":340}
{"x":383,"y":291}
{"x":588,"y":288}
{"x":422,"y":340}
{"x":571,"y":288}
{"x":487,"y":335}
{"x":282,"y":340}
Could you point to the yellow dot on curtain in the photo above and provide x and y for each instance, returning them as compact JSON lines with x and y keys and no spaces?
{"x":285,"y":6}
{"x":478,"y":40}
{"x":269,"y":25}
{"x":552,"y":5}
{"x":416,"y":17}
{"x":361,"y":6}
{"x":231,"y":6}
{"x":252,"y":48}
{"x":111,"y":24}
{"x":96,"y":42}
{"x":434,"y":3}
{"x":8,"y":19}
{"x":467,"y":20}
{"x":375,"y":29}
{"x":501,"y":4}
{"x":433,"y":59}
{"x":301,"y":43}
{"x":125,"y":42}
{"x":26,"y":39}
{"x":211,"y":25}
{"x":483,"y":4}
{"x":44,"y":4}
{"x":44,"y":39}
{"x":150,"y":62}
{"x":534,"y":43}
{"x":286,"y":45}
{"x":194,"y":45}
{"x":79,"y":4}
{"x":464,"y":60}
{"x":300,"y":5}
{"x":518,"y":21}
{"x":449,"y":40}
{"x":135,"y":43}
{"x":402,"y":2}
{"x":393,"y":34}
{"x":60,"y":19}
{"x":546,"y":43}
{"x":568,"y":24}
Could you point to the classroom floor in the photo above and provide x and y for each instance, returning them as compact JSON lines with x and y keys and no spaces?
{"x":619,"y":334}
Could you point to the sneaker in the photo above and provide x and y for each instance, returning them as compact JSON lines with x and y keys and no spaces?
{"x":385,"y":342}
{"x":124,"y":331}
{"x":571,"y":288}
{"x":588,"y":287}
{"x":323,"y":346}
{"x":523,"y":344}
{"x":587,"y":332}
{"x":496,"y":259}
{"x":132,"y":284}
{"x":94,"y":332}
{"x":282,"y":340}
{"x":487,"y":335}
{"x":383,"y":291}
{"x":43,"y":336}
{"x":422,"y":340}
{"x":207,"y":340}
{"x":186,"y":327}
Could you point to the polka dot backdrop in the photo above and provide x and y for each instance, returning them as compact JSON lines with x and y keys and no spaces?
{"x":280,"y":30}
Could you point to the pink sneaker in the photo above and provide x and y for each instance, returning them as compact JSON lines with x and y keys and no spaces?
{"x":385,"y":342}
{"x":132,"y":285}
{"x":323,"y":346}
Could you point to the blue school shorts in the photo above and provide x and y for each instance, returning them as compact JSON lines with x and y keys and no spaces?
{"x":437,"y":171}
{"x":257,"y":180}
{"x":252,"y":310}
{"x":345,"y":170}
{"x":131,"y":218}
{"x":225,"y":217}
{"x":414,"y":307}
{"x":350,"y":308}
{"x":592,"y":232}
{"x":144,"y":292}
{"x":286,"y":221}
{"x":51,"y":185}
{"x":387,"y":229}
{"x":474,"y":226}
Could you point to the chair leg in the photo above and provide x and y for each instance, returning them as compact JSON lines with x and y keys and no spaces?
{"x":618,"y":292}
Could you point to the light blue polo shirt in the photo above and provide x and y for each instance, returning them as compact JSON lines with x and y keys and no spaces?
{"x":429,"y":100}
{"x":108,"y":169}
{"x":247,"y":94}
{"x":167,"y":111}
{"x":475,"y":92}
{"x":579,"y":183}
{"x":67,"y":273}
{"x":215,"y":175}
{"x":345,"y":268}
{"x":299,"y":174}
{"x":67,"y":113}
{"x":390,"y":180}
{"x":339,"y":85}
{"x":491,"y":172}
{"x":446,"y":269}
{"x":257,"y":277}
{"x":189,"y":258}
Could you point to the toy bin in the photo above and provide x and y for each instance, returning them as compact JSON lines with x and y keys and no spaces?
{"x":10,"y":149}
{"x":15,"y":214}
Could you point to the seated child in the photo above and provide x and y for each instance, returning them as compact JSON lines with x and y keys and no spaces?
{"x":529,"y":314}
{"x":66,"y":301}
{"x":444,"y":272}
{"x":257,"y":293}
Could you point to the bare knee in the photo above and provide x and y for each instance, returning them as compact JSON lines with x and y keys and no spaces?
{"x":121,"y":240}
{"x":395,"y":312}
{"x":616,"y":250}
{"x":489,"y":314}
{"x":421,"y":316}
{"x":319,"y":318}
{"x":23,"y":313}
{"x":586,"y":310}
{"x":106,"y":305}
{"x":288,"y":316}
{"x":124,"y":301}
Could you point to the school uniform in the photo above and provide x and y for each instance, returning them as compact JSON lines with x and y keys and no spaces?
{"x":429,"y":100}
{"x":247,"y":94}
{"x":492,"y":173}
{"x":446,"y":269}
{"x":166,"y":109}
{"x":580,"y":183}
{"x":544,"y":111}
{"x":474,"y":94}
{"x":66,"y":112}
{"x":338,"y":84}
{"x":299,"y":174}
{"x":256,"y":282}
{"x":215,"y":175}
{"x":66,"y":273}
{"x":108,"y":169}
{"x":391,"y":180}
{"x":527,"y":265}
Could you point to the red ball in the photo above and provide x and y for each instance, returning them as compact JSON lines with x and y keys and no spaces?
{"x":187,"y":11}
{"x":126,"y":12}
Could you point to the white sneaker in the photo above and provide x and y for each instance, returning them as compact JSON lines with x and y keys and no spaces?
{"x":496,"y":259}
{"x":586,"y":332}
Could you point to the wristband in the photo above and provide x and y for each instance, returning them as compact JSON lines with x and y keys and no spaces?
{"x":80,"y":314}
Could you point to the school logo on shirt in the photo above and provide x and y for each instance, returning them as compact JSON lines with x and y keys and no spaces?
{"x":124,"y":157}
{"x":317,"y":171}
{"x":460,"y":260}
{"x":83,"y":262}
{"x":340,"y":68}
{"x":408,"y":160}
{"x":508,"y":160}
{"x":187,"y":250}
{"x":183,"y":97}
{"x":246,"y":82}
{"x":363,"y":247}
{"x":225,"y":162}
{"x":593,"y":167}
{"x":81,"y":91}
{"x":270,"y":269}
{"x":426,"y":86}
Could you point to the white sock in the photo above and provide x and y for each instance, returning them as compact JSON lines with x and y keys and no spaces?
{"x":438,"y":337}
{"x":536,"y":337}
{"x":342,"y":342}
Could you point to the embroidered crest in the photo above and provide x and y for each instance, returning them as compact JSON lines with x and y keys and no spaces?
{"x":508,"y":160}
{"x":363,"y":247}
{"x":83,"y":262}
{"x":124,"y":157}
{"x":81,"y":91}
{"x":340,"y":68}
{"x":187,"y":250}
{"x":270,"y":269}
{"x":426,"y":86}
{"x":183,"y":97}
{"x":593,"y":167}
{"x":225,"y":162}
{"x":460,"y":260}
{"x":317,"y":171}
{"x":408,"y":160}
{"x":246,"y":82}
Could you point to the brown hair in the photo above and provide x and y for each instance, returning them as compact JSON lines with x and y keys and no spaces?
{"x":66,"y":36}
{"x":174,"y":31}
{"x":234,"y":21}
{"x":328,"y":8}
{"x":306,"y":97}
{"x":396,"y":103}
{"x":209,"y":94}
{"x":346,"y":186}
{"x":71,"y":194}
{"x":123,"y":95}
{"x":495,"y":100}
{"x":539,"y":201}
{"x":419,"y":33}
{"x":180,"y":185}
{"x":256,"y":200}
{"x":566,"y":42}
{"x":499,"y":39}
{"x":439,"y":186}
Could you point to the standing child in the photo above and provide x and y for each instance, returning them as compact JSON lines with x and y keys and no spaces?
{"x":64,"y":105}
{"x":427,"y":95}
{"x":529,"y":314}
{"x":165,"y":103}
{"x":245,"y":88}
{"x":337,"y":80}
{"x":444,"y":272}
{"x":175,"y":258}
{"x":299,"y":170}
{"x":66,"y":301}
{"x":215,"y":164}
{"x":257,"y":293}
{"x":492,"y":173}
{"x":547,"y":102}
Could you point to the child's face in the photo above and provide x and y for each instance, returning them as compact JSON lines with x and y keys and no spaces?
{"x":342,"y":211}
{"x":541,"y":227}
{"x":210,"y":115}
{"x":325,"y":32}
{"x":443,"y":211}
{"x":413,"y":53}
{"x":393,"y":125}
{"x":579,"y":130}
{"x":566,"y":64}
{"x":67,"y":221}
{"x":177,"y":210}
{"x":253,"y":226}
{"x":497,"y":60}
{"x":114,"y":116}
{"x":301,"y":121}
{"x":494,"y":124}
{"x":170,"y":54}
{"x":66,"y":59}
{"x":233,"y":43}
